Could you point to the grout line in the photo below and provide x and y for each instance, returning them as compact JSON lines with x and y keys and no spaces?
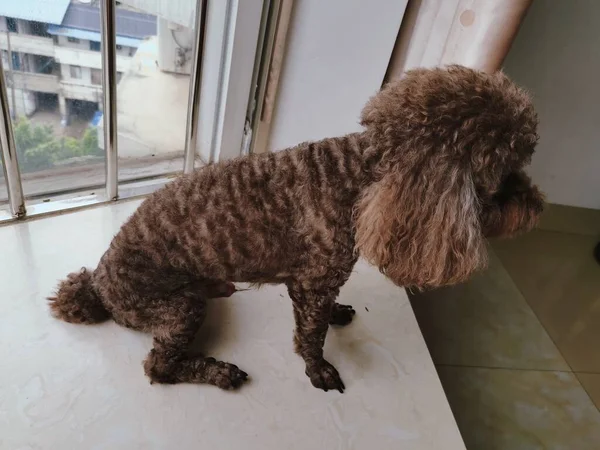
{"x":518,"y":369}
{"x":570,"y":233}
{"x":597,"y":405}
{"x":544,"y":327}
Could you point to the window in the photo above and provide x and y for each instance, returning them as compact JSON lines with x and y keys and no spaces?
{"x":16,"y":61}
{"x":75,"y":72}
{"x":59,"y":133}
{"x":11,"y":24}
{"x":96,"y":77}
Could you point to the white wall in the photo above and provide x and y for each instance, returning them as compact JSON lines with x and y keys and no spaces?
{"x":83,"y":44}
{"x":86,"y":75}
{"x":168,"y":48}
{"x":336,"y":57}
{"x":25,"y":101}
{"x":557,"y":56}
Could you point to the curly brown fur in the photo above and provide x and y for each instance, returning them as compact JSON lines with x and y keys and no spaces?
{"x":76,"y":301}
{"x":515,"y":208}
{"x":437,"y":168}
{"x":441,"y":140}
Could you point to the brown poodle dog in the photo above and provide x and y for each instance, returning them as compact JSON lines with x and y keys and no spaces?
{"x":438,"y":168}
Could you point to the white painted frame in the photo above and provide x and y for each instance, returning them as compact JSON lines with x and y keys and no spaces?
{"x":227,"y":76}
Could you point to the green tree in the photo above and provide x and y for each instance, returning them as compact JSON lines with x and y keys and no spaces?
{"x":69,"y":147}
{"x":38,"y":148}
{"x":89,"y":143}
{"x":41,"y":156}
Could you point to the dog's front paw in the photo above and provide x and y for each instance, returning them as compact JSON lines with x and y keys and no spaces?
{"x":341,"y":314}
{"x":324,"y":376}
{"x":224,"y":375}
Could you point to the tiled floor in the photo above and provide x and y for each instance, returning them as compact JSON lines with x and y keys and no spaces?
{"x":516,"y":348}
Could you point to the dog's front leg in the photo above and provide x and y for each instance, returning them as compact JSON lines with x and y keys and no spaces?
{"x":312,"y":312}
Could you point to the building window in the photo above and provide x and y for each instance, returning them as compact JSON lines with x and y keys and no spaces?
{"x":96,"y":77}
{"x":76,"y":72}
{"x":73,"y":40}
{"x":16,"y":61}
{"x":95,"y":46}
{"x":11,"y":24}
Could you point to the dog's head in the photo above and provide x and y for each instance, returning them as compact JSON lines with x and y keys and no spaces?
{"x":447,"y":148}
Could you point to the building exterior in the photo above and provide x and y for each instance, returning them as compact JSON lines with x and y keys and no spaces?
{"x":55,"y":67}
{"x":55,"y":52}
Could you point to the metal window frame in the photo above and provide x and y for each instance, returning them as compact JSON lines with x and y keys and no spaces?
{"x":108,"y":50}
{"x":10,"y":164}
{"x":215,"y":122}
{"x":193,"y":112}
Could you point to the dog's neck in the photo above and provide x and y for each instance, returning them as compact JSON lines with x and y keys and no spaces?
{"x":370,"y":155}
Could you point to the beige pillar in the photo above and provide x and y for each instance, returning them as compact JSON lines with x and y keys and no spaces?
{"x":474,"y":33}
{"x":63,"y":109}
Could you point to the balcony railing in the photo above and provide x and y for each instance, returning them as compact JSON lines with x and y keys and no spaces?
{"x":87,"y":58}
{"x":39,"y":82}
{"x":35,"y":45}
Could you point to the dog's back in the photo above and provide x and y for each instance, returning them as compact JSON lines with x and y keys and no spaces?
{"x":256,"y":219}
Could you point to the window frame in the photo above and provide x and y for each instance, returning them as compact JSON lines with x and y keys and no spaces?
{"x":227,"y":67}
{"x":75,"y":72}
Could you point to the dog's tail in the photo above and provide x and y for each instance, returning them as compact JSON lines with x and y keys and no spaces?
{"x":76,"y":300}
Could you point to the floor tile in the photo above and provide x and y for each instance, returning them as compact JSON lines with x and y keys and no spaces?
{"x":498,"y":409}
{"x":485,"y":322}
{"x":570,"y":219}
{"x":591,"y":383}
{"x":560,"y":280}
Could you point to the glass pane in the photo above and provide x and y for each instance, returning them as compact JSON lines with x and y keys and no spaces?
{"x":154,"y":52}
{"x":4,"y":207}
{"x":50,"y":57}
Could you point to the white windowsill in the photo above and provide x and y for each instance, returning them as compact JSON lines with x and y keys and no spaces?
{"x":76,"y":385}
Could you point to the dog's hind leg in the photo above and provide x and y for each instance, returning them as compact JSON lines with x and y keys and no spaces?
{"x":175,"y":323}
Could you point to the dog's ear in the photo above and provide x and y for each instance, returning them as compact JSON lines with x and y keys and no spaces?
{"x":421,"y":228}
{"x":438,"y":138}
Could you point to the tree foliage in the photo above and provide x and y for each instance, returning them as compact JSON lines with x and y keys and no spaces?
{"x":38,"y":148}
